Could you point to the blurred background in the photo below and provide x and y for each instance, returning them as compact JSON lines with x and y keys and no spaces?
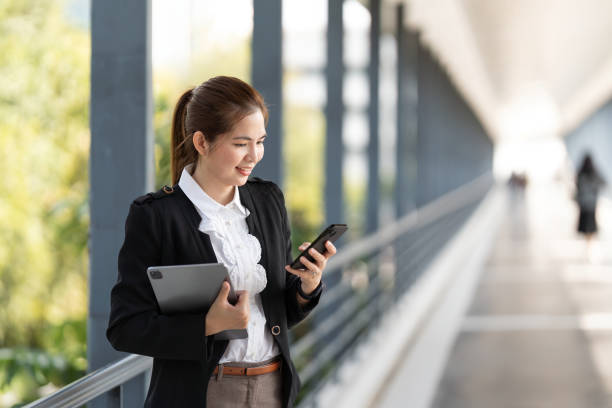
{"x":481,"y":116}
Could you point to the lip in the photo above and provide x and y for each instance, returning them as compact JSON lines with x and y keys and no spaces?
{"x":245,"y":171}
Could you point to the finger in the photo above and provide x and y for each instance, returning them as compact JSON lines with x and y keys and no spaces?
{"x":304,"y":246}
{"x":331,"y":249}
{"x":244,"y":306}
{"x":304,"y":274}
{"x":243,"y":298}
{"x":223,"y":292}
{"x":318,"y":257}
{"x":312,"y":267}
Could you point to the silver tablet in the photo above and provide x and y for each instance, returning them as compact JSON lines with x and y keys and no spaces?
{"x":188,"y":288}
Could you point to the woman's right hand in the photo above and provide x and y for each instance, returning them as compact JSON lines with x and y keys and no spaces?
{"x":224,"y":316}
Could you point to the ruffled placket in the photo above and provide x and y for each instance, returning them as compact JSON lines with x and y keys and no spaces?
{"x":241,"y":251}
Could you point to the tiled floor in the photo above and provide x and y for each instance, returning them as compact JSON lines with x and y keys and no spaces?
{"x":539,"y":331}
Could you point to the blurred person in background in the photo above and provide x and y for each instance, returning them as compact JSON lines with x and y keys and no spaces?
{"x":588,"y":184}
{"x":215,"y":213}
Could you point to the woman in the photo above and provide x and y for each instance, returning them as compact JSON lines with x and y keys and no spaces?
{"x":588,"y":184}
{"x":215,"y":213}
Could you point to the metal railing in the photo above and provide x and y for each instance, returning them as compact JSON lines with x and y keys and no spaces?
{"x":107,"y":378}
{"x":368,"y":276}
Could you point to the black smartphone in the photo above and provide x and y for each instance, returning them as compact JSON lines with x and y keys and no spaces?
{"x":331,"y":233}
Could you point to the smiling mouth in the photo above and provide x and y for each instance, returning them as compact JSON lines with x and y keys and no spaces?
{"x":245,"y":171}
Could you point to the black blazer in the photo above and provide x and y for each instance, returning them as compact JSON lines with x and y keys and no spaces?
{"x":162,"y":229}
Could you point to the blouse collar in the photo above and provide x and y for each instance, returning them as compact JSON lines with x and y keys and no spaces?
{"x":202,"y":201}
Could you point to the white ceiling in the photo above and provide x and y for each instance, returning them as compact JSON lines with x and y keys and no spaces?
{"x":529,"y":68}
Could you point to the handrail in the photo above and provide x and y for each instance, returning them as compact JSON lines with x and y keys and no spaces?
{"x":440,"y":206}
{"x":96,"y":383}
{"x":328,"y":323}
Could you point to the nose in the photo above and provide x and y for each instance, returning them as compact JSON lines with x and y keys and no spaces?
{"x":252,"y":153}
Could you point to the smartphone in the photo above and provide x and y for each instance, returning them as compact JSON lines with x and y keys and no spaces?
{"x":331,"y":233}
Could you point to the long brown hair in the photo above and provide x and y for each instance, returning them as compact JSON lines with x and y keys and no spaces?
{"x":214,"y":108}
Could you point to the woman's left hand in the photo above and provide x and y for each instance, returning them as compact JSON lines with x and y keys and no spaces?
{"x":311,"y":276}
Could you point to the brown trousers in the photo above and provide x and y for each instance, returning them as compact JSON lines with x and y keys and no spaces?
{"x":238,"y":391}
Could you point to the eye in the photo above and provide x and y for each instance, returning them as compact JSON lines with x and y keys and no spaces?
{"x":239,"y":144}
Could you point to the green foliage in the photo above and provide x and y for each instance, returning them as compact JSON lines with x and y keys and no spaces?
{"x":23,"y":371}
{"x":44,"y":216}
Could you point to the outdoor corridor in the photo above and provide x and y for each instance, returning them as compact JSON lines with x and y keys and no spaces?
{"x":538,"y":331}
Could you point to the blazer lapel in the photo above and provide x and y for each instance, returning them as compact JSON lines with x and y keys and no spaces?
{"x":254,"y":223}
{"x":255,"y":229}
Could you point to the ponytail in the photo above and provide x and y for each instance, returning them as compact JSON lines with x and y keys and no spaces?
{"x":182,"y":151}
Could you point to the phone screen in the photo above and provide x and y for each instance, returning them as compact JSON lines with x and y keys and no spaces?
{"x":331,"y":233}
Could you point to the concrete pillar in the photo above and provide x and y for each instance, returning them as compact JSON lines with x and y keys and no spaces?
{"x":373,"y":198}
{"x":121,"y":162}
{"x":407,"y":102}
{"x":453,"y":147}
{"x":334,"y":113}
{"x":267,"y":78}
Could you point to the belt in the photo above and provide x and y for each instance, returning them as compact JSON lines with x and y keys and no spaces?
{"x":264,"y":369}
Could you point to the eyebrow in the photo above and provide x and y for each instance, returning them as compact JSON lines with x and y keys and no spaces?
{"x":247,"y":138}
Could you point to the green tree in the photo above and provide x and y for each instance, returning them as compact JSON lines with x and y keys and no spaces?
{"x":44,"y":147}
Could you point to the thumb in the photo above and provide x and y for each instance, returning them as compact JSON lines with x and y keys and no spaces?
{"x":224,"y":292}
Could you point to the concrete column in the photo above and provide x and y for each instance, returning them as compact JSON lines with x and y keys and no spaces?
{"x":267,"y":78}
{"x":453,"y":147}
{"x":407,"y":102}
{"x":373,"y":198}
{"x":121,"y":161}
{"x":334,"y":113}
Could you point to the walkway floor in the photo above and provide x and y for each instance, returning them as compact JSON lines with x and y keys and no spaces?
{"x":538,"y":333}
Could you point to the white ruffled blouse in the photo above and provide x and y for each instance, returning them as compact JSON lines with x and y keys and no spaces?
{"x":240,"y":252}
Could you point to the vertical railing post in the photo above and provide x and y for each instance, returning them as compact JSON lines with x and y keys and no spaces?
{"x":133,"y":392}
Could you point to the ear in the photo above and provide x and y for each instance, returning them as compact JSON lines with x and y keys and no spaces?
{"x":200,"y":143}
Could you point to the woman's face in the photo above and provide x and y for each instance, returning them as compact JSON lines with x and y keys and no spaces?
{"x":233,"y":156}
